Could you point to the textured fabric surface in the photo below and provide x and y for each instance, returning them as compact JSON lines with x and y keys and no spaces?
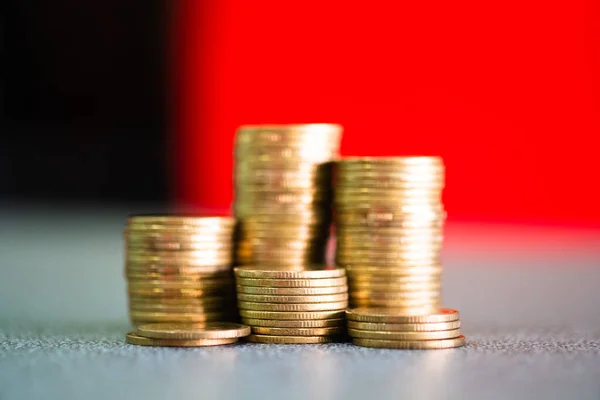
{"x":528,"y":298}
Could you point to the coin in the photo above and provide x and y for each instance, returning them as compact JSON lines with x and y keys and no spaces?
{"x":338,"y":305}
{"x":414,"y":345}
{"x":180,"y":308}
{"x":397,"y":270}
{"x":312,"y":272}
{"x":183,"y":301}
{"x":292,"y":315}
{"x":172,"y":219}
{"x":211,"y":330}
{"x":260,"y":298}
{"x":159,"y":292}
{"x":384,"y":326}
{"x":299,"y":331}
{"x":400,"y":316}
{"x":150,"y":316}
{"x":184,"y":279}
{"x":177,"y":269}
{"x":304,"y":323}
{"x":132,"y":338}
{"x":395,"y":295}
{"x":431,"y":303}
{"x":291,"y":339}
{"x":368,"y":279}
{"x":179,"y":284}
{"x":292,"y":283}
{"x":418,"y":287}
{"x":398,"y":335}
{"x":291,"y":291}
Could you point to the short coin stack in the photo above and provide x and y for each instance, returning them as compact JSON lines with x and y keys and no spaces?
{"x":187,"y":335}
{"x":399,"y":329}
{"x":292,"y":306}
{"x":389,"y":220}
{"x":283,"y":192}
{"x":178,"y":268}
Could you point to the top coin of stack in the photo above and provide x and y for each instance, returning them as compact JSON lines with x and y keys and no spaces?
{"x":293,"y":306}
{"x":178,"y":268}
{"x":283,"y":192}
{"x":389,"y":221}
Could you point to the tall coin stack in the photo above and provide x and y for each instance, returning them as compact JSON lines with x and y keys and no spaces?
{"x":283,"y":192}
{"x":389,"y":220}
{"x":293,"y":306}
{"x":178,"y":269}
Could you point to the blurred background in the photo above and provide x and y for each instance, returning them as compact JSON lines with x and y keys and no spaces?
{"x":138,"y":101}
{"x":117,"y":107}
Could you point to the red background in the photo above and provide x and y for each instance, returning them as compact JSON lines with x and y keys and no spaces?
{"x":508,"y":93}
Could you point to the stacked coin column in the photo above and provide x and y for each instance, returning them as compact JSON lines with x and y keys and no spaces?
{"x":293,"y":306}
{"x":389,"y":220}
{"x":178,"y":269}
{"x":282,"y":184}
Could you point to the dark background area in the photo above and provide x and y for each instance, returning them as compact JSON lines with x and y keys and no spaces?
{"x":84,"y":101}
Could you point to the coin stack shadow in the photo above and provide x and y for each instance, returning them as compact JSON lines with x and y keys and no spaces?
{"x":389,"y":221}
{"x":283,"y":193}
{"x":179,"y":269}
{"x":293,"y":307}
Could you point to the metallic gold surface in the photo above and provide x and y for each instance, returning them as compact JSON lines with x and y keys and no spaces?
{"x":300,"y":307}
{"x":210,"y":330}
{"x":301,"y":291}
{"x":311,"y":272}
{"x":259,"y":298}
{"x":132,"y":338}
{"x":400,"y":335}
{"x":384,"y":326}
{"x":411,"y":345}
{"x":149,"y":316}
{"x":300,"y":323}
{"x":400,"y":316}
{"x":291,"y":339}
{"x":298,"y":331}
{"x":293,"y":315}
{"x":292,"y":283}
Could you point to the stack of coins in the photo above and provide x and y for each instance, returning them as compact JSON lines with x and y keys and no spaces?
{"x":282,"y":184}
{"x":389,"y":220}
{"x":178,"y":268}
{"x":187,"y":335}
{"x":399,"y":329}
{"x":292,"y":306}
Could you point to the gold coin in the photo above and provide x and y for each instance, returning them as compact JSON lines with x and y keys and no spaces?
{"x":211,"y":330}
{"x":293,"y":315}
{"x":311,"y":272}
{"x":172,"y":219}
{"x":348,"y":201}
{"x":384,"y":226}
{"x":132,"y":338}
{"x":151,"y":316}
{"x":398,"y":335}
{"x":256,"y":290}
{"x":199,"y":258}
{"x":395,"y":295}
{"x":166,"y":284}
{"x":411,"y":345}
{"x":431,"y":303}
{"x":177,"y":245}
{"x":260,"y":298}
{"x":367,"y":279}
{"x":368,"y":256}
{"x":183,"y":301}
{"x":292,"y":283}
{"x":177,"y":270}
{"x":318,"y":323}
{"x":201,"y":309}
{"x":299,"y":331}
{"x":184,"y":279}
{"x":426,"y":246}
{"x":338,"y":305}
{"x":291,"y":339}
{"x":369,"y":287}
{"x":395,"y":270}
{"x":416,"y":163}
{"x":161,"y":292}
{"x":384,"y":326}
{"x":400,"y":316}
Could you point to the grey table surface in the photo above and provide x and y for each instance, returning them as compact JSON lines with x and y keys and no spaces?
{"x":529,"y":299}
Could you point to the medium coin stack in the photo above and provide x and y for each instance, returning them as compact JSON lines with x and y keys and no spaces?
{"x":187,"y":335}
{"x":292,"y":306}
{"x":389,"y":220}
{"x":282,"y":185}
{"x":399,"y":329}
{"x":178,"y":268}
